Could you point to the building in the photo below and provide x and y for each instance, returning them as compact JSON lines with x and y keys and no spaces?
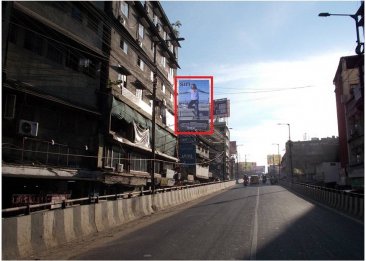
{"x":194,"y":158}
{"x":143,"y":55}
{"x":349,"y":92}
{"x":77,"y":90}
{"x":327,"y":173}
{"x":220,"y":151}
{"x":306,"y":155}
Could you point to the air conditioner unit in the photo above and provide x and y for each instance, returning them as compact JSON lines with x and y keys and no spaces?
{"x":119,"y":167}
{"x":29,"y":128}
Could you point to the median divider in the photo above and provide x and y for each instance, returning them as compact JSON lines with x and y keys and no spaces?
{"x":23,"y":236}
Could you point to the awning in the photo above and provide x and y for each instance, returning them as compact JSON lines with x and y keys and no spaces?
{"x":131,"y":144}
{"x":121,"y":69}
{"x":123,"y":111}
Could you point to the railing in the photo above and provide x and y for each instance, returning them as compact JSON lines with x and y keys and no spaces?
{"x":330,"y":189}
{"x":26,"y":210}
{"x":46,"y":152}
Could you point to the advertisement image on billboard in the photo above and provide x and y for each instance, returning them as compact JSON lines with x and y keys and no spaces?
{"x":193,"y":102}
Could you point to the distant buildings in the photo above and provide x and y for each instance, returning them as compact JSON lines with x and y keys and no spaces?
{"x":307,"y":155}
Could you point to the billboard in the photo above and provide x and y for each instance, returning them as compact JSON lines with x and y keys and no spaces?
{"x":187,"y":149}
{"x":222,"y":108}
{"x":233,"y":149}
{"x":193,"y":105}
{"x":274,"y":159}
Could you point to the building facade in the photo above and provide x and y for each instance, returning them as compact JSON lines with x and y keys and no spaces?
{"x":77,"y":109}
{"x":306,"y":155}
{"x":349,"y":92}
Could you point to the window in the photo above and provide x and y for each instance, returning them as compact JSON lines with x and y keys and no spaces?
{"x":139,"y":93}
{"x":140,"y":63}
{"x":124,"y":8}
{"x":9,"y":110}
{"x":93,"y":23}
{"x":72,"y":60}
{"x":123,"y":46}
{"x":163,"y":61}
{"x":76,"y":14}
{"x":164,"y":35}
{"x":141,"y":31}
{"x":53,"y":53}
{"x":163,"y":88}
{"x":13,"y":32}
{"x":171,"y":75}
{"x":33,"y":43}
{"x":123,"y":79}
{"x":152,"y":76}
{"x":87,"y":66}
{"x":155,"y":19}
{"x":138,"y":162}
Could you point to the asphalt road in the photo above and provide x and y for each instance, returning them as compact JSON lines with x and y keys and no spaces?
{"x":257,"y":222}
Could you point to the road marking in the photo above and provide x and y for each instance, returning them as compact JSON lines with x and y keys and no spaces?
{"x":253,"y":249}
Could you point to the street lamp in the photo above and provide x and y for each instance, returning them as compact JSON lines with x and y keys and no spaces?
{"x":154,"y":112}
{"x":279,"y":159}
{"x":360,"y":46}
{"x":290,"y":149}
{"x":237,"y":161}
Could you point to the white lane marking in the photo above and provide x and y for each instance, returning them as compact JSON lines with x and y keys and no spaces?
{"x":253,"y":249}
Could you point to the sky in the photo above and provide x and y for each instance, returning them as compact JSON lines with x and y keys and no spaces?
{"x":274,"y":60}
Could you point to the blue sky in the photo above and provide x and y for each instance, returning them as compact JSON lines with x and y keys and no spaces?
{"x":275,"y":61}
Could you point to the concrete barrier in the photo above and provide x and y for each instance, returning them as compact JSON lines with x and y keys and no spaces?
{"x":31,"y":234}
{"x":351,"y":204}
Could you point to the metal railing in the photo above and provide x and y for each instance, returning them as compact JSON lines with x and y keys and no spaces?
{"x":28,"y":209}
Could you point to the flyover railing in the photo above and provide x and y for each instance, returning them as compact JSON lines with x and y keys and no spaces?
{"x":92,"y":199}
{"x":345,"y":201}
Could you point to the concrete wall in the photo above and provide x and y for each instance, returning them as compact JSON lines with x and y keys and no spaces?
{"x":348,"y":203}
{"x":32,"y":234}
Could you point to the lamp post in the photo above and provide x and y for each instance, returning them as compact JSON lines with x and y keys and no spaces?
{"x":237,"y":161}
{"x":290,"y":149}
{"x":279,"y":159}
{"x":360,"y":46}
{"x":153,"y":121}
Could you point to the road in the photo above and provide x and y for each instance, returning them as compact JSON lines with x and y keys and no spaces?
{"x":256,"y":222}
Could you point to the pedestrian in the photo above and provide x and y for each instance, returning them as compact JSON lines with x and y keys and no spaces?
{"x":194,"y":102}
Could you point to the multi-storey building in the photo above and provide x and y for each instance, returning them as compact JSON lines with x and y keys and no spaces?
{"x":221,"y":146}
{"x":77,"y":110}
{"x":349,"y":92}
{"x":138,"y":33}
{"x":306,"y":155}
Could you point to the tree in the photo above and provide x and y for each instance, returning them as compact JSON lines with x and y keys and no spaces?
{"x":176,"y":27}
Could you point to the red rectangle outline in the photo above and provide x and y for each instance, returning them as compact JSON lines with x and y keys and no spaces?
{"x":211,"y":130}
